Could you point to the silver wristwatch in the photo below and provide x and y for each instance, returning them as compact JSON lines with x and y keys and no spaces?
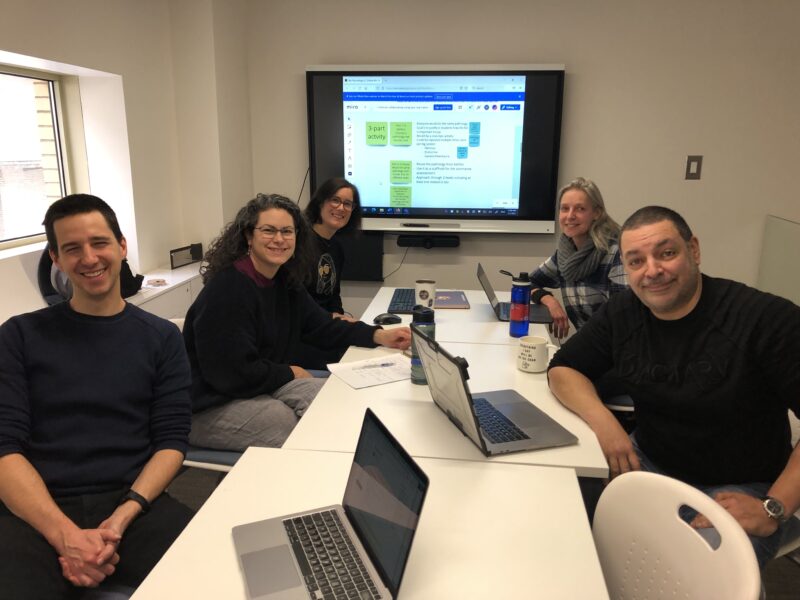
{"x":774,"y":508}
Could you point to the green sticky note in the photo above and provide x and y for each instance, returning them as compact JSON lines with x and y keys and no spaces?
{"x":400,"y":196}
{"x":377,"y":133}
{"x":400,"y":132}
{"x":400,"y":171}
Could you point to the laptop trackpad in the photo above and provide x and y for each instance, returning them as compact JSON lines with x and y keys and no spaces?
{"x":515,"y":406}
{"x":270,"y":570}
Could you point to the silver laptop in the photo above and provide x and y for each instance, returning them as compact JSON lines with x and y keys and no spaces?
{"x":538,"y":312}
{"x":496,"y":422}
{"x":358,"y":549}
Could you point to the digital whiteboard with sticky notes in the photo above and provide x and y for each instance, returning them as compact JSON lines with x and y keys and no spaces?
{"x":441,"y":148}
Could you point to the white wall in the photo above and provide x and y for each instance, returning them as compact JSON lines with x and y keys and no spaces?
{"x":648,"y":83}
{"x":215,"y":95}
{"x":131,"y":39}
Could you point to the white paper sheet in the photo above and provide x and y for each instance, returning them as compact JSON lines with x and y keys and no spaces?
{"x":373,"y":371}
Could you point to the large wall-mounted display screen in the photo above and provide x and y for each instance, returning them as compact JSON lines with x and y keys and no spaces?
{"x":453,"y":149}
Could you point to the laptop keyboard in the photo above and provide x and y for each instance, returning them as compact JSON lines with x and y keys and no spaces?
{"x":331,"y":567}
{"x":497,"y":427}
{"x":402,"y":302}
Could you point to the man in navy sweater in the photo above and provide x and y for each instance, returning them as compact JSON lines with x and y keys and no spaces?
{"x":94,"y":421}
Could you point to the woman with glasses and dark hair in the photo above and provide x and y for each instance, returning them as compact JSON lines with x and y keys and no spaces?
{"x":334,"y":207}
{"x":244,"y":328}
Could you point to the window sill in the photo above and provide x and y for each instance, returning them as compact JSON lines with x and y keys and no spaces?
{"x":35,"y":248}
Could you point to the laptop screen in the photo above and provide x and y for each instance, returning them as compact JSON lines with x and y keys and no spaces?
{"x":447,"y":380}
{"x":383,"y":499}
{"x":487,"y":286}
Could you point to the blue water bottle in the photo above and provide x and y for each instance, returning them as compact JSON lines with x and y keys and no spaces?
{"x":422,"y":317}
{"x":519,"y":315}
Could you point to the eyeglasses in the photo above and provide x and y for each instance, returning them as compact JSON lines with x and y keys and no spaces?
{"x":336,"y":202}
{"x":269,"y":233}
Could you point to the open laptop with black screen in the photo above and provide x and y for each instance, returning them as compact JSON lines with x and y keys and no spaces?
{"x":538,"y":312}
{"x":497,"y":422}
{"x":360,"y":546}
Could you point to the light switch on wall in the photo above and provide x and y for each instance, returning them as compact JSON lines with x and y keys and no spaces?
{"x":694,"y":164}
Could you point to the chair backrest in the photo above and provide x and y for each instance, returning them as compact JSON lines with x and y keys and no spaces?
{"x":53,"y":284}
{"x":647,"y":550}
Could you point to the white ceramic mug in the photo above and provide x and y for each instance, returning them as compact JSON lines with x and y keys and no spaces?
{"x":533,"y":354}
{"x":425,"y":292}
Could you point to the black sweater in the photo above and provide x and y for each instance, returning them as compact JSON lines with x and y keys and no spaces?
{"x":239,"y":336}
{"x":88,"y":400}
{"x":712,"y":389}
{"x":326,"y":283}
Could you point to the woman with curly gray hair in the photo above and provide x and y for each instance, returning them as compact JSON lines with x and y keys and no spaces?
{"x":247,"y":322}
{"x":586,"y":265}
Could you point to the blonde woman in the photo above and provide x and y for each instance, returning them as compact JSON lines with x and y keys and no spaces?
{"x":586,"y":266}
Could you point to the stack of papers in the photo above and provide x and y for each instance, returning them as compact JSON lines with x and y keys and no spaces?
{"x":373,"y":371}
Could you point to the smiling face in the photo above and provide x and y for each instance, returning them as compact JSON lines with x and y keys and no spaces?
{"x":267,"y":251}
{"x":333,"y":218}
{"x":576,"y":215}
{"x":90,"y":255}
{"x":663,"y":269}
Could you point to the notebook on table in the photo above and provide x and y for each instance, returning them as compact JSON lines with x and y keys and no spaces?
{"x":403,"y":300}
{"x":497,"y":422}
{"x":538,"y":312}
{"x":358,"y":549}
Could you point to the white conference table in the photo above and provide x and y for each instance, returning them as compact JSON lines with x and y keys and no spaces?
{"x":475,"y":539}
{"x":333,"y":420}
{"x":477,"y":324}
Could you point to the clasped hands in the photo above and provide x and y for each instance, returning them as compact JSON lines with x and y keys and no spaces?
{"x":88,"y":556}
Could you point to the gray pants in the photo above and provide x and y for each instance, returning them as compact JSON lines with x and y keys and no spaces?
{"x":261,"y":421}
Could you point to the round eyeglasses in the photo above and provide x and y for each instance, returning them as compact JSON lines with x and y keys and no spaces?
{"x":336,"y":202}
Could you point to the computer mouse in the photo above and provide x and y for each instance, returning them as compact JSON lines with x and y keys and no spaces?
{"x":386,"y":319}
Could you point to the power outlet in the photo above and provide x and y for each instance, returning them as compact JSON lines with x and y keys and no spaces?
{"x":694,"y":164}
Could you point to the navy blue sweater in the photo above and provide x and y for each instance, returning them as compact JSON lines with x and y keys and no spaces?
{"x":88,"y":400}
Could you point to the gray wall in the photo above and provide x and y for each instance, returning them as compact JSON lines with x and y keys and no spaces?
{"x":648,"y":83}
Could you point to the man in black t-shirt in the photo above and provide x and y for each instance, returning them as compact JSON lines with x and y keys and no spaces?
{"x":712,"y":366}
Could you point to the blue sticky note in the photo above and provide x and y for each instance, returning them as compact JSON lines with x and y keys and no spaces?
{"x":461,"y":152}
{"x":474,"y":141}
{"x":474,"y":127}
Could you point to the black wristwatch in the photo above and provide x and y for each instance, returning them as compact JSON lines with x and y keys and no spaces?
{"x":774,"y":508}
{"x":138,"y":498}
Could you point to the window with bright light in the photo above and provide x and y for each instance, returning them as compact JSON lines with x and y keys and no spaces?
{"x":31,"y":162}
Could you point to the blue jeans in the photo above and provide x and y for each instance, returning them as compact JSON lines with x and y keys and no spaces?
{"x":764,"y":547}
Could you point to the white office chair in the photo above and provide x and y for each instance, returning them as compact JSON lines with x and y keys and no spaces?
{"x":208,"y":458}
{"x":647,"y":551}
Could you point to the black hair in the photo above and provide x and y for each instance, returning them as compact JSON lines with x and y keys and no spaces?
{"x":327,"y":191}
{"x":76,"y":204}
{"x":655,"y":214}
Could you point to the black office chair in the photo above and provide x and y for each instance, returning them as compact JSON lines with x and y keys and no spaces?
{"x":56,"y":287}
{"x":53,"y":284}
